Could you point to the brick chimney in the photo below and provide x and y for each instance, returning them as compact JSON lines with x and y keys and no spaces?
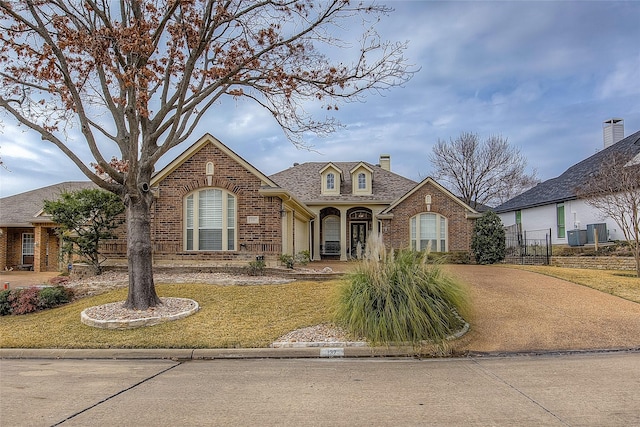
{"x":612,"y":131}
{"x":385,"y":162}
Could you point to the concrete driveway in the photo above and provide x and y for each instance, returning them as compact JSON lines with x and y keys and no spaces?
{"x":520,"y":311}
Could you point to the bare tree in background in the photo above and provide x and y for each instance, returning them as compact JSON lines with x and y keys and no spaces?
{"x":488,"y":172}
{"x":615,"y":191}
{"x":139,"y":75}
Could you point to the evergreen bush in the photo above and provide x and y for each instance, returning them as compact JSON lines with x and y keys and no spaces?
{"x":53,"y":296}
{"x":5,"y":304}
{"x":488,"y":240}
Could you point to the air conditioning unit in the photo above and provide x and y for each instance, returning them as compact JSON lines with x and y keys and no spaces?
{"x":577,"y":237}
{"x":603,"y":237}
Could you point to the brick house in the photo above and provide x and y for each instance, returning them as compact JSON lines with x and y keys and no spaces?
{"x":27,"y":236}
{"x":212,"y":207}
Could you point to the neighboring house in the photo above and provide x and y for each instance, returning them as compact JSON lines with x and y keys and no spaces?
{"x":553,"y":204}
{"x":213,"y":207}
{"x":27,"y":235}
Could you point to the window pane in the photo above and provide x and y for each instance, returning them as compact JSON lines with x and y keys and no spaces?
{"x":210,"y":209}
{"x":28,"y":243}
{"x":330,"y":181}
{"x":210,"y":240}
{"x":189,"y":218}
{"x":362,"y":181}
{"x":231,"y":211}
{"x":231,"y":240}
{"x":332,"y":229}
{"x":189,"y":239}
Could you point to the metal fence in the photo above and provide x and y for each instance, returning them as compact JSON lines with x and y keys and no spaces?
{"x":530,"y":247}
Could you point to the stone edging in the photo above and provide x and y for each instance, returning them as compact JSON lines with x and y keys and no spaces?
{"x":136,"y":323}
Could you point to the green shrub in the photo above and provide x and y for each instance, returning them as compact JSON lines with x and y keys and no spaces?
{"x":401,"y":298}
{"x":287,"y":260}
{"x":54,"y":296}
{"x":488,"y":240}
{"x":303,"y":257}
{"x":256,"y":268}
{"x":5,"y":304}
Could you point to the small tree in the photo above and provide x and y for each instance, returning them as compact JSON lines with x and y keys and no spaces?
{"x":488,"y":240}
{"x":486,"y":172}
{"x":86,"y":217}
{"x":615,"y":191}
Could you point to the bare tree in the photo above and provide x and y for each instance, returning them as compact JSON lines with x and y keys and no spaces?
{"x":141,"y":74}
{"x":486,"y":172}
{"x":615,"y":191}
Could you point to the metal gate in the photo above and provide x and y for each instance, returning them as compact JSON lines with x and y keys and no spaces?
{"x":530,"y":247}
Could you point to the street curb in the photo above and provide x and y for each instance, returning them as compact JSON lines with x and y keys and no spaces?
{"x":208,"y":354}
{"x":179,"y":354}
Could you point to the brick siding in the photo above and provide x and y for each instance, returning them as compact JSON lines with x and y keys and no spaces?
{"x":252,"y":239}
{"x":396,"y":231}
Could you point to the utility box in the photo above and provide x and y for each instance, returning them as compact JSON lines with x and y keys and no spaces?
{"x":577,"y":237}
{"x":603,"y":237}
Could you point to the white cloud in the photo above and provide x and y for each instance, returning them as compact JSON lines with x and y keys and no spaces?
{"x":624,"y":80}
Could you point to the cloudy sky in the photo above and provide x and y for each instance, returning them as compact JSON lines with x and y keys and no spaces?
{"x":543,"y":74}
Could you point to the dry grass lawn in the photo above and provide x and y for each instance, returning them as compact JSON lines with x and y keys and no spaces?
{"x":243,"y":316}
{"x":229,"y":316}
{"x":623,"y":284}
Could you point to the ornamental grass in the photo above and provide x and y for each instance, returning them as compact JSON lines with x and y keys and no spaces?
{"x":401,"y":297}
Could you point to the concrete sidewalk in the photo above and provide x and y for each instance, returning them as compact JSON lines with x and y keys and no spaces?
{"x":593,"y":389}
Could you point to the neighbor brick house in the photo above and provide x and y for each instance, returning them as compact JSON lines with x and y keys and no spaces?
{"x":214,"y":208}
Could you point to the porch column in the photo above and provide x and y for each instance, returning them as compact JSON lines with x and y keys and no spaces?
{"x":316,"y":237}
{"x":343,"y":234}
{"x":40,"y":249}
{"x":4,"y":253}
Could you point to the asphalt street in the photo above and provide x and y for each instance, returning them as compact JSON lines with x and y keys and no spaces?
{"x":588,"y":389}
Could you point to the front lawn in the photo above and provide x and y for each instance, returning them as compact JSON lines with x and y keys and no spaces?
{"x":229,"y":316}
{"x":623,"y":284}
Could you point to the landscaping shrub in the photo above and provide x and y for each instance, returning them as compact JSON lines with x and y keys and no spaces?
{"x":54,"y":296}
{"x":28,"y":300}
{"x":488,"y":240}
{"x":24,"y":301}
{"x":5,"y":304}
{"x":256,"y":268}
{"x":401,"y":297}
{"x":287,"y":260}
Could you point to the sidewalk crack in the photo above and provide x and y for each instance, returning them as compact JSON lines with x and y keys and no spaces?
{"x":517,"y":390}
{"x":106,"y":399}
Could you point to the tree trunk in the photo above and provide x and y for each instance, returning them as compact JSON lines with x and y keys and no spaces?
{"x":142,"y":292}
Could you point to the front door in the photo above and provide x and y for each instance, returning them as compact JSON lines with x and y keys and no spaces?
{"x":358,"y":239}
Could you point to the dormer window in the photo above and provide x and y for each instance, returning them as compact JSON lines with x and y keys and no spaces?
{"x":331,"y":181}
{"x":361,"y":179}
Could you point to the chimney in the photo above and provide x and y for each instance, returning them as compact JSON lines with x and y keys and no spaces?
{"x":385,"y":162}
{"x":612,"y":131}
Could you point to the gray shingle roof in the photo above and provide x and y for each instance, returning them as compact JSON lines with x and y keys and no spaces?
{"x":303,"y":181}
{"x":21,"y":209}
{"x":564,"y":186}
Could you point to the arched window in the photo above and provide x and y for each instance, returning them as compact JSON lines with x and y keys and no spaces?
{"x":331,"y":181}
{"x":210,"y":221}
{"x":429,"y":232}
{"x":362,"y":181}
